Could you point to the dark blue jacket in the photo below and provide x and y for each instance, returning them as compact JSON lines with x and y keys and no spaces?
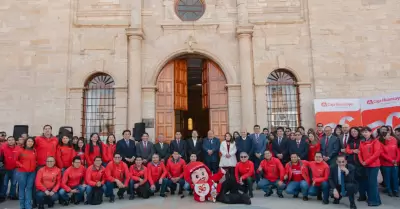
{"x":213,"y":145}
{"x":124,"y":150}
{"x":244,"y":146}
{"x":301,"y":150}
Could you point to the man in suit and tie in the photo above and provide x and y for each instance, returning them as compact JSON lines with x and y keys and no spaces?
{"x":211,"y":146}
{"x":342,"y":181}
{"x":179,"y":145}
{"x":145,"y":149}
{"x":162,"y":149}
{"x":330,"y":146}
{"x":280,"y":146}
{"x":259,"y":145}
{"x":344,"y":138}
{"x":126,"y":148}
{"x":194,"y":146}
{"x":299,"y":146}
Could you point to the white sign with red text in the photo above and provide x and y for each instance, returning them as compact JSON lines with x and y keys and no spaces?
{"x":332,"y":112}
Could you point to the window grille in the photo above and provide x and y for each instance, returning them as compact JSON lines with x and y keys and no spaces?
{"x":98,"y":106}
{"x":189,"y":10}
{"x":283,"y":107}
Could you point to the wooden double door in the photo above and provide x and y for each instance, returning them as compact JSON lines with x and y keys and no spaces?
{"x":172,"y":95}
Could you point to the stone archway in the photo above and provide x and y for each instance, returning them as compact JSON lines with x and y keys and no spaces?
{"x":172,"y":97}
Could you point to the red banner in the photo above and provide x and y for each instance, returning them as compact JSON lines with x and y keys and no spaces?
{"x":332,"y":112}
{"x":381,"y":110}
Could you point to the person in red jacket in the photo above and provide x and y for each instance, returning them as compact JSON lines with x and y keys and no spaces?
{"x":369,"y":153}
{"x":26,"y":163}
{"x":138,"y":182}
{"x":73,"y":182}
{"x":157,"y":174}
{"x":319,"y":178}
{"x":244,"y":174}
{"x":10,"y":153}
{"x":175,"y":168}
{"x":65,"y":154}
{"x":95,"y":178}
{"x":80,"y":150}
{"x":95,"y":148}
{"x":297,"y":176}
{"x":272,"y":172}
{"x":314,"y":146}
{"x":117,"y":174}
{"x":46,"y":146}
{"x":110,"y":148}
{"x":389,"y":158}
{"x":48,"y":180}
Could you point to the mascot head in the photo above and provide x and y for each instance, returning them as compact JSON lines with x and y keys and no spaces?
{"x":197,"y":173}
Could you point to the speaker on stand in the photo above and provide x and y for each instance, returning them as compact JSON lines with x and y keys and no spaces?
{"x":66,"y":131}
{"x":139,"y":129}
{"x":19,"y":130}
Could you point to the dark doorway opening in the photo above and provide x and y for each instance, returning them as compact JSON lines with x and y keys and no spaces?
{"x":196,"y":117}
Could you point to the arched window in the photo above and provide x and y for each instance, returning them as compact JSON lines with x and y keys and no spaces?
{"x":283,"y":107}
{"x":189,"y":10}
{"x":98,"y":106}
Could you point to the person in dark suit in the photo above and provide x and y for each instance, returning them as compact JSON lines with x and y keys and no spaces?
{"x":194,"y":146}
{"x":280,"y":146}
{"x":244,"y":144}
{"x":299,"y":146}
{"x":179,"y":145}
{"x":211,"y":146}
{"x":302,"y":130}
{"x":259,"y":145}
{"x":330,"y":146}
{"x":342,"y":181}
{"x":344,"y":138}
{"x":145,"y":149}
{"x":162,"y":149}
{"x":126,"y":148}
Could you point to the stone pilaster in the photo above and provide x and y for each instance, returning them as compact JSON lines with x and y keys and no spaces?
{"x":234,"y":106}
{"x":149,"y":108}
{"x":244,"y":33}
{"x":261,"y":105}
{"x":135,"y":37}
{"x":307,"y":105}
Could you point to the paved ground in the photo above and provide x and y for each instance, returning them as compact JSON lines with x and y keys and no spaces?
{"x":258,"y":202}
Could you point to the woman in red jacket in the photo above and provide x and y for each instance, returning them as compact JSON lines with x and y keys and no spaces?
{"x":48,"y":180}
{"x":244,"y":174}
{"x":273,"y":173}
{"x":138,"y":183}
{"x":110,"y":148}
{"x":26,"y":163}
{"x":10,"y":153}
{"x":389,"y":160}
{"x":319,"y":178}
{"x":80,"y":150}
{"x":95,"y":148}
{"x":65,"y":154}
{"x":369,"y":153}
{"x":72,"y":182}
{"x":95,"y":178}
{"x":314,"y":146}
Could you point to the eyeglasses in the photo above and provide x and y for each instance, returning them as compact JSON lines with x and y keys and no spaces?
{"x":78,"y":162}
{"x":319,"y":126}
{"x":50,"y":161}
{"x":340,"y":161}
{"x":117,"y":157}
{"x":243,"y":156}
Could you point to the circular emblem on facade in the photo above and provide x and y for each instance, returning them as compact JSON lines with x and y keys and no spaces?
{"x":190,"y":10}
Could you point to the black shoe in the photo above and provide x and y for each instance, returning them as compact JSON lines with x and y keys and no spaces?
{"x":51,"y":205}
{"x":172,"y":192}
{"x":77,"y":202}
{"x":34,"y":205}
{"x":163,"y":195}
{"x":336,"y":201}
{"x":268,"y":194}
{"x":121,"y":197}
{"x":112,"y":199}
{"x":251,"y":195}
{"x":390,"y":194}
{"x":41,"y":207}
{"x":180,"y":192}
{"x":353,"y":206}
{"x":319,"y":197}
{"x":86,"y":203}
{"x":295,"y":196}
{"x":190,"y":193}
{"x":131,"y":197}
{"x":280,"y":195}
{"x":396,"y":194}
{"x":2,"y":199}
{"x":65,"y":203}
{"x":325,"y":202}
{"x":14,"y":198}
{"x":305,"y":198}
{"x":362,"y":198}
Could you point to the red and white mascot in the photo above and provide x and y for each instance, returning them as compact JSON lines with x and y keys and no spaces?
{"x":206,"y":187}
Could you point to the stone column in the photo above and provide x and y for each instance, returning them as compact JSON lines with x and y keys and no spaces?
{"x":135,"y":37}
{"x":307,"y":114}
{"x":149,"y":108}
{"x":234,"y":105}
{"x":261,"y":105}
{"x":246,"y":76}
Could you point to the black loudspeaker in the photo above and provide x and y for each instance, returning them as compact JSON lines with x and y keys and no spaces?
{"x":19,"y":130}
{"x":67,"y":131}
{"x":139,"y":129}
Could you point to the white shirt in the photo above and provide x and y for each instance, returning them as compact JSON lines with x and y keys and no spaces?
{"x":194,"y":141}
{"x":339,"y":176}
{"x":244,"y":138}
{"x":161,"y":145}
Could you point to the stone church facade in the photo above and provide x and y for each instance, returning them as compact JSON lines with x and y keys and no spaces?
{"x":276,"y":56}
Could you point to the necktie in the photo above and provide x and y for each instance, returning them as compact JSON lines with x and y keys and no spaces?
{"x":127,"y":142}
{"x":298,"y":144}
{"x":177,"y":141}
{"x":145,"y":146}
{"x":279,"y":141}
{"x":345,"y":141}
{"x":257,"y":137}
{"x":342,"y":186}
{"x":326,"y":142}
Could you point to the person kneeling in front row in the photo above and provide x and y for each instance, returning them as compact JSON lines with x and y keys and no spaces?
{"x":175,"y":167}
{"x":157,"y":176}
{"x":138,"y":183}
{"x":95,"y":179}
{"x":117,"y":174}
{"x":244,"y":174}
{"x":298,"y":176}
{"x":272,"y":172}
{"x":320,"y":174}
{"x":342,"y":181}
{"x":47,"y":183}
{"x":73,"y":182}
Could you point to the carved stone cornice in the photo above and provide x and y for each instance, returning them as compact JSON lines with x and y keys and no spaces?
{"x":135,"y":33}
{"x":174,"y":25}
{"x":244,"y":30}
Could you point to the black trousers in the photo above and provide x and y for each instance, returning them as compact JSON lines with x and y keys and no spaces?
{"x":247,"y":186}
{"x":230,"y":185}
{"x":213,"y":166}
{"x":227,"y":197}
{"x":351,"y":190}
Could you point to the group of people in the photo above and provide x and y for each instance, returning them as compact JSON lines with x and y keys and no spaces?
{"x":320,"y":163}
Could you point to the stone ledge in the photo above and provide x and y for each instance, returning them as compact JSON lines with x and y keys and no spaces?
{"x":173,"y":25}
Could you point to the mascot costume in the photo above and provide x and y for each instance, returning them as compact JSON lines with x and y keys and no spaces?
{"x":206,"y":187}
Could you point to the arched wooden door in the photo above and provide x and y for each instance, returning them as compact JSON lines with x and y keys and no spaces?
{"x":215,"y":97}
